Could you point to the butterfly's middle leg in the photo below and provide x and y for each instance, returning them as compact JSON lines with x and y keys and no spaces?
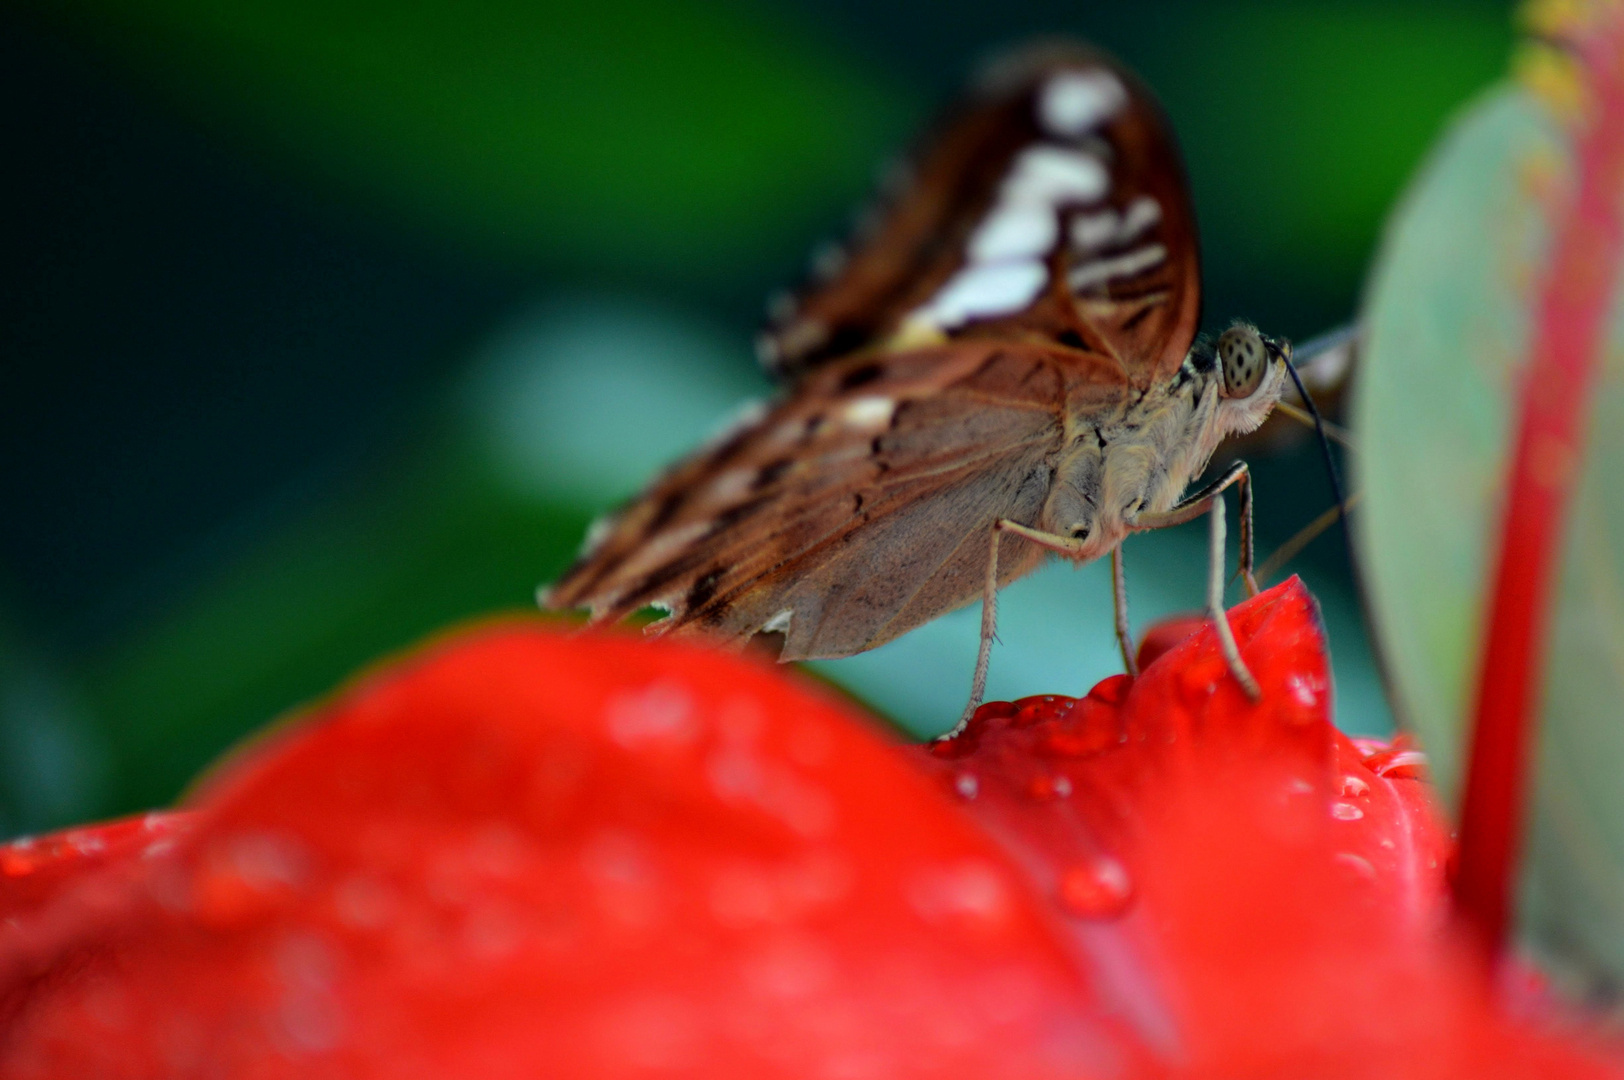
{"x":1065,"y":545}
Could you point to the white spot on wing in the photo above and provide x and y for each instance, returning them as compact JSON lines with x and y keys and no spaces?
{"x":731,"y":485}
{"x":1052,"y":175}
{"x":979,"y":291}
{"x":1015,"y":232}
{"x":1141,"y":214}
{"x":868,"y":412}
{"x":1076,"y":102}
{"x":1099,"y":271}
{"x":1004,"y":269}
{"x":778,"y":624}
{"x":1107,"y":228}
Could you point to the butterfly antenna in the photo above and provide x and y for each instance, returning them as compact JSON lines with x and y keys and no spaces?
{"x":1325,"y":449}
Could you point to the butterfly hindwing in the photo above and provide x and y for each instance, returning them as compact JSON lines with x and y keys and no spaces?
{"x":1051,"y":206}
{"x":858,"y":508}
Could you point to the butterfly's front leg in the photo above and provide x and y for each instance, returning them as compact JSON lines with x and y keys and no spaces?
{"x":1215,"y":604}
{"x":1237,"y":475}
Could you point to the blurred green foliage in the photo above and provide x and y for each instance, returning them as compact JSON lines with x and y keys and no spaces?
{"x":605,"y":134}
{"x":668,"y":155}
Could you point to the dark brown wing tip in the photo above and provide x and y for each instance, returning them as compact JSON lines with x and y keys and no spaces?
{"x":797,"y":336}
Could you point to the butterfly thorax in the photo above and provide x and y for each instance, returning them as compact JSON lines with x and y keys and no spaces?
{"x":1140,"y":455}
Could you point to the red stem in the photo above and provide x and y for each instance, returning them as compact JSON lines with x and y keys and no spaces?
{"x":1568,"y":336}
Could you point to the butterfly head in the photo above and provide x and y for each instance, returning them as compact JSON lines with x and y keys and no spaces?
{"x":1252,"y":373}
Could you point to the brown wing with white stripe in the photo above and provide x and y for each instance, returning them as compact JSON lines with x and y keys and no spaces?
{"x":1051,"y":206}
{"x":856,"y":510}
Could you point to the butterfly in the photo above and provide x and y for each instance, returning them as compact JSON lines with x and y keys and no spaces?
{"x":1002,"y":365}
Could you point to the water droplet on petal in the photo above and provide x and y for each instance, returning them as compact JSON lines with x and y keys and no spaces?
{"x":661,"y":714}
{"x":1398,"y":763}
{"x":1357,"y":864}
{"x":1352,"y":786}
{"x":966,"y":785}
{"x":1346,"y":812}
{"x":971,"y":893}
{"x":1098,"y":889}
{"x":86,"y":842}
{"x":1042,"y":709}
{"x":1199,"y":679}
{"x":1045,"y":788}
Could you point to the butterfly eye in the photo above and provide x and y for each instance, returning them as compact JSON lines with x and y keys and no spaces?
{"x":1243,"y":359}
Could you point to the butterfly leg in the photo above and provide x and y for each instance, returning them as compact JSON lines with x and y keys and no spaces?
{"x":1119,"y":604}
{"x":1215,"y":605}
{"x":1238,"y":476}
{"x":989,"y":627}
{"x":1065,"y":545}
{"x":1210,"y":500}
{"x":1248,"y":532}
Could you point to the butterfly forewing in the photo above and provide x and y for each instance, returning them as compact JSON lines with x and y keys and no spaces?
{"x":1036,"y":273}
{"x":1051,"y":206}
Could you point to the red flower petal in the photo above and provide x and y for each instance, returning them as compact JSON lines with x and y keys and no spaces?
{"x":1166,"y":633}
{"x":522,"y":854}
{"x":1257,"y":898}
{"x":35,"y":871}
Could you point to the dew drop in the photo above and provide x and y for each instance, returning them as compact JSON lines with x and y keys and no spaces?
{"x":1398,"y":763}
{"x":1352,"y":786}
{"x":1346,"y":812}
{"x":1042,"y":709}
{"x":967,"y":785}
{"x":1045,"y":788}
{"x":969,"y":893}
{"x":1358,"y":865}
{"x":1099,"y":889}
{"x":663,"y":713}
{"x":1198,"y":680}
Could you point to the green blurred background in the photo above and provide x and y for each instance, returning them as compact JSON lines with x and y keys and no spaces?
{"x":323,"y":325}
